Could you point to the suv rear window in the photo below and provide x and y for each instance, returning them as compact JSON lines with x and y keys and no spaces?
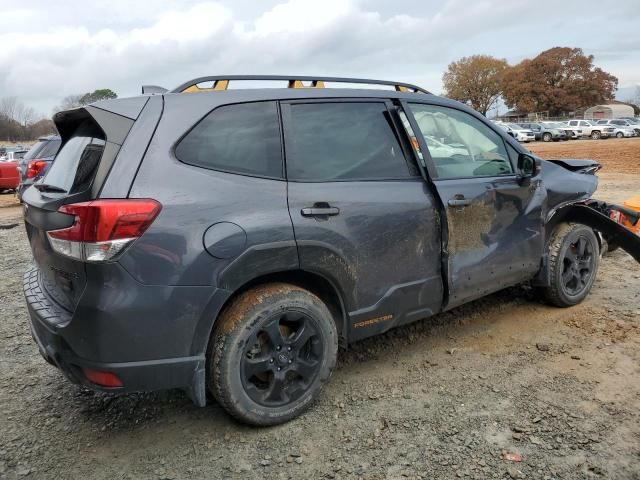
{"x":49,"y":149}
{"x":77,"y":161}
{"x":342,"y":141}
{"x":35,"y":150}
{"x":243,"y":138}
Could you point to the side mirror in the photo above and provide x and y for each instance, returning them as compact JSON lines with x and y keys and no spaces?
{"x":528,"y":166}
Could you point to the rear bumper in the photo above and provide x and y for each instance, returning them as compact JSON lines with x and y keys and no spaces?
{"x":131,"y":349}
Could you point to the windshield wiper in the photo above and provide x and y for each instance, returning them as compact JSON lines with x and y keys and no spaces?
{"x":43,"y":187}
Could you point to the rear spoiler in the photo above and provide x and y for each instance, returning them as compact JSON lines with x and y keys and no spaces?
{"x":153,"y":90}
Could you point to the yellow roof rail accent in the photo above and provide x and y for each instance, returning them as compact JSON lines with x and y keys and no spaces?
{"x":221,"y":85}
{"x":218,"y":85}
{"x":299,"y":84}
{"x":221,"y":82}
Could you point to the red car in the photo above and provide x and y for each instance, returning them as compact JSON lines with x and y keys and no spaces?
{"x":9,"y":175}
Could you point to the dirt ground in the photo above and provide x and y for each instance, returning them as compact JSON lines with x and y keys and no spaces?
{"x":450,"y":397}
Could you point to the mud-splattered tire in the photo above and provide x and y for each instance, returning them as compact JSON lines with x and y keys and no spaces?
{"x":573,"y":259}
{"x":271,"y":352}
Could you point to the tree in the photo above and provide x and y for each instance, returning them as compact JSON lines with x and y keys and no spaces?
{"x":101,"y":94}
{"x":81,"y":99}
{"x":475,"y":80}
{"x":69,"y":102}
{"x":42,"y":127}
{"x":558,"y":80}
{"x":9,"y":107}
{"x":634,"y":101}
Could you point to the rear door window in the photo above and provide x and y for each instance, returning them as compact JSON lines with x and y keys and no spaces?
{"x":242,"y":138}
{"x":342,"y":141}
{"x":78,"y":160}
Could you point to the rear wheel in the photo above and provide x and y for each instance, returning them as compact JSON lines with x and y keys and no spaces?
{"x":574,"y":257}
{"x":619,"y":135}
{"x":546,"y":137}
{"x":595,"y":135}
{"x":272,"y":351}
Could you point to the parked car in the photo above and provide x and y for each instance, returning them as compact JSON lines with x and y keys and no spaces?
{"x":621,"y":128}
{"x":13,"y":154}
{"x":575,"y":133}
{"x":560,"y":126}
{"x":516,"y":131}
{"x":9,"y":177}
{"x":36,"y":162}
{"x":623,"y":124}
{"x":230,"y":240}
{"x":587,"y":129}
{"x":545,"y":133}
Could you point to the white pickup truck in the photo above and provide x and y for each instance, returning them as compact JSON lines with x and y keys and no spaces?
{"x":592,"y":130}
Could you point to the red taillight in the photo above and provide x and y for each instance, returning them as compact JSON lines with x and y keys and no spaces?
{"x":103,"y":228}
{"x":104,"y":379}
{"x":35,"y":167}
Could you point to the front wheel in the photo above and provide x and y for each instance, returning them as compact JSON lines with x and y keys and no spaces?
{"x":546,"y":137}
{"x":595,"y":135}
{"x":272,"y":351}
{"x":574,"y":256}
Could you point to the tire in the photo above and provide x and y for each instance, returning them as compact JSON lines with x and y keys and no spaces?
{"x":595,"y":135}
{"x":272,"y":351}
{"x":619,"y":135}
{"x":571,"y":273}
{"x":546,"y":137}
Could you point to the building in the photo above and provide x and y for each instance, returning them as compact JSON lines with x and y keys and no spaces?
{"x":612,"y":110}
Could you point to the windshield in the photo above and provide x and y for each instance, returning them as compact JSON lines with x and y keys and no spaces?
{"x":515,"y":126}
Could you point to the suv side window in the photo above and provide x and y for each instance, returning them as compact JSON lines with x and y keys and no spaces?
{"x":573,"y":123}
{"x":242,"y":138}
{"x":460,"y":144}
{"x":342,"y":141}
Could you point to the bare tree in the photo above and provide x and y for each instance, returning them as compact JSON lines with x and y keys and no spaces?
{"x":69,"y":102}
{"x":25,"y":115}
{"x":9,"y":107}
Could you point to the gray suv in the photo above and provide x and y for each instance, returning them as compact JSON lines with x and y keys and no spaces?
{"x":227,"y":241}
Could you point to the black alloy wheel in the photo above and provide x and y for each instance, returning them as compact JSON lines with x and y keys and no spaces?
{"x":282,"y":358}
{"x":578,"y":266}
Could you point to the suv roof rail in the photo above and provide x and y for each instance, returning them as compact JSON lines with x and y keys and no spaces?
{"x":221,"y":82}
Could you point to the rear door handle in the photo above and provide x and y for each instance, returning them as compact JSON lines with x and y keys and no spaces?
{"x":316,"y":211}
{"x":459,"y":202}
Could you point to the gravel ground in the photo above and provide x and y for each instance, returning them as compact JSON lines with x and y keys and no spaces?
{"x":504,"y":388}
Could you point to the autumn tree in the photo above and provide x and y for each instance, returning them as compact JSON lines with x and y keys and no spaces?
{"x":558,"y":80}
{"x":475,"y":80}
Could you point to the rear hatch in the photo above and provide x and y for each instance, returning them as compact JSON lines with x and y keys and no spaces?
{"x":91,"y":139}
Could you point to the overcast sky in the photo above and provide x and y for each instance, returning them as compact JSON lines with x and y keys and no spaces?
{"x":52,"y":49}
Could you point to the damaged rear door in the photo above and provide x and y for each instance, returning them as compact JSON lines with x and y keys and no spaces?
{"x":494,"y":225}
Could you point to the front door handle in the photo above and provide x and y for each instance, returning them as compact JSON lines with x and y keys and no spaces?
{"x":459,"y":201}
{"x":319,"y":210}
